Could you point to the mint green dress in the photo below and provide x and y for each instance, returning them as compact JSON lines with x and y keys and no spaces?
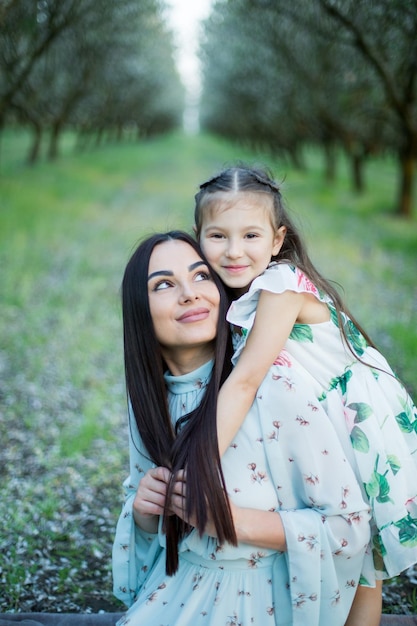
{"x":368,"y":407}
{"x":283,"y":460}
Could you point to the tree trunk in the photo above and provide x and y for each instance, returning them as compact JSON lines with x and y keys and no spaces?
{"x":357,"y":161}
{"x":330,"y":162}
{"x":35,"y":148}
{"x":406,"y":186}
{"x":53,"y":141}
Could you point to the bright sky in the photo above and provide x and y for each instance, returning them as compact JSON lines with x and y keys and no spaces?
{"x":184,"y":17}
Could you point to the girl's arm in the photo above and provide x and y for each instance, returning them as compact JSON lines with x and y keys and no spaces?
{"x":276,"y":315}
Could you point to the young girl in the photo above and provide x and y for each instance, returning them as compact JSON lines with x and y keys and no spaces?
{"x":286,"y":314}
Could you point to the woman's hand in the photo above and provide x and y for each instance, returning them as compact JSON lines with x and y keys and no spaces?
{"x":178,"y":505}
{"x":150,"y":497}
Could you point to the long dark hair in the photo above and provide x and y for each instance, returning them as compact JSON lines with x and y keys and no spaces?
{"x":243,"y":178}
{"x":195,"y":446}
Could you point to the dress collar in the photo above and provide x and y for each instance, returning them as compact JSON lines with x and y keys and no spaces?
{"x":197,"y":379}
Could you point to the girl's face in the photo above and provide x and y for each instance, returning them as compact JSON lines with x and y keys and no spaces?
{"x":183,"y":300}
{"x":238,"y":237}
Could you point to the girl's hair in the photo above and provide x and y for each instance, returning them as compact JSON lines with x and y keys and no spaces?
{"x":256,"y":180}
{"x":195,"y":446}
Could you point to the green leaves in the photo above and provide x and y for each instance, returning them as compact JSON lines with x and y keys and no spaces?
{"x":408,"y":531}
{"x":360,"y":441}
{"x":301,"y":332}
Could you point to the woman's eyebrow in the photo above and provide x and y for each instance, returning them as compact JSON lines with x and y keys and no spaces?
{"x":161,"y":273}
{"x":196,"y":264}
{"x":170,"y":273}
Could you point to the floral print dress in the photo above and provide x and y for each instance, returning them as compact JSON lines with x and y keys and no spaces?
{"x":281,"y":460}
{"x":368,"y":407}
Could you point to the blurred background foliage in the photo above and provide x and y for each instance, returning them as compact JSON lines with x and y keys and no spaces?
{"x":276,"y":75}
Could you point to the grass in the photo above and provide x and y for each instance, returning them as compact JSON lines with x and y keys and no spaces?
{"x":66,"y":232}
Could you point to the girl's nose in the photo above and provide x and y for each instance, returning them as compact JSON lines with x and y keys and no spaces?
{"x":234,"y":249}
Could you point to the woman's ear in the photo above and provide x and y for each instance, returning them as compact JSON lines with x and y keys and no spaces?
{"x":279,"y":240}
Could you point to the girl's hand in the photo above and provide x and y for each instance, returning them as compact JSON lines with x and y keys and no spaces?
{"x":149,"y":501}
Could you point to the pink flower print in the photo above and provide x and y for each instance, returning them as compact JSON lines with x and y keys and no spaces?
{"x":257,"y":476}
{"x":349,"y":418}
{"x":303,"y":422}
{"x":286,"y":381}
{"x":355,"y":518}
{"x":300,"y":600}
{"x":345,"y":493}
{"x":311,"y":480}
{"x":255,"y":558}
{"x":284,"y":358}
{"x":274,"y":436}
{"x":311,"y":541}
{"x":305,"y":283}
{"x":336,"y":598}
{"x":410,"y":504}
{"x":343,"y":544}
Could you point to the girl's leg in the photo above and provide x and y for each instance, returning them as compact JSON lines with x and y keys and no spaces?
{"x":366,"y":607}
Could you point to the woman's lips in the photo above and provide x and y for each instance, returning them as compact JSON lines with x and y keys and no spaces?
{"x":194,"y":315}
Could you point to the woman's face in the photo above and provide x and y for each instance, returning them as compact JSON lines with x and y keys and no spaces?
{"x":183,"y":299}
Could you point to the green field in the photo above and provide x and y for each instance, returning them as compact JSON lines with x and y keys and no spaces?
{"x":66,"y":232}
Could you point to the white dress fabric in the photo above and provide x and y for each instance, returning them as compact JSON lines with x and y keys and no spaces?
{"x":282,"y":460}
{"x":369,"y":408}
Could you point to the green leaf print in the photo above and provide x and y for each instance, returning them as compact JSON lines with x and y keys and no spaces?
{"x":384,"y":489}
{"x":404,"y":423}
{"x":378,"y":487}
{"x":394,"y":462}
{"x":372,"y":487}
{"x":301,"y":332}
{"x":379,"y":552}
{"x":360,"y":441}
{"x":407,"y":531}
{"x":363,"y":411}
{"x":341,"y":381}
{"x":333,"y":316}
{"x":355,"y":337}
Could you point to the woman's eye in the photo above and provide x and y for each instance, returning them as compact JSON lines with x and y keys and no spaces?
{"x":162,"y":284}
{"x":202,"y":276}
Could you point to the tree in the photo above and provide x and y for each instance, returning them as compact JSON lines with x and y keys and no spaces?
{"x":285,"y":74}
{"x":111,"y":66}
{"x":384,"y":33}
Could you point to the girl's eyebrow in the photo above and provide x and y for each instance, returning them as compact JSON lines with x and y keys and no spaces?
{"x":170,"y":273}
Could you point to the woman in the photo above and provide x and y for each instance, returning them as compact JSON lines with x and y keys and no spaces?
{"x":276,"y":532}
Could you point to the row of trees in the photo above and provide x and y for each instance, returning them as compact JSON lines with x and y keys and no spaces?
{"x":330,"y":72}
{"x":94,"y":65}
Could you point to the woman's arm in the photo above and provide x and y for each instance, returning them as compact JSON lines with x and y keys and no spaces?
{"x":276,"y":315}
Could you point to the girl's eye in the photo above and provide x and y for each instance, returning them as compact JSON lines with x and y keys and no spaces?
{"x":251,"y":235}
{"x":216,"y":236}
{"x":202,"y":276}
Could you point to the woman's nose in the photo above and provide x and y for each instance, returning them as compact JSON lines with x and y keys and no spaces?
{"x":189,"y":292}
